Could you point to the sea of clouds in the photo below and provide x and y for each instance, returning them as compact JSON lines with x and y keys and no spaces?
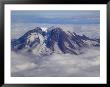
{"x":56,"y":65}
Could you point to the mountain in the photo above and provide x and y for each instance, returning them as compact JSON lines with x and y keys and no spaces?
{"x":54,"y":40}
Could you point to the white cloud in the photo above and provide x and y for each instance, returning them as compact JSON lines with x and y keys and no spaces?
{"x":57,"y":65}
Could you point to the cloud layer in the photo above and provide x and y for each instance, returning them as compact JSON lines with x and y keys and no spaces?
{"x":57,"y":65}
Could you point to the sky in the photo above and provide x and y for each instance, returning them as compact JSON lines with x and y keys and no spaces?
{"x":56,"y":16}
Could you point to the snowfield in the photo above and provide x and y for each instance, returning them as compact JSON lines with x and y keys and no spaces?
{"x":62,"y":65}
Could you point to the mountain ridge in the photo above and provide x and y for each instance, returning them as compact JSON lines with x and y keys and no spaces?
{"x":53,"y":40}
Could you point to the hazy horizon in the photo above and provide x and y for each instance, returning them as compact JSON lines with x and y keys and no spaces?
{"x":56,"y":16}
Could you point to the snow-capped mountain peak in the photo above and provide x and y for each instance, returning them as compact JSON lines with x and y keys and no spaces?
{"x":53,"y":39}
